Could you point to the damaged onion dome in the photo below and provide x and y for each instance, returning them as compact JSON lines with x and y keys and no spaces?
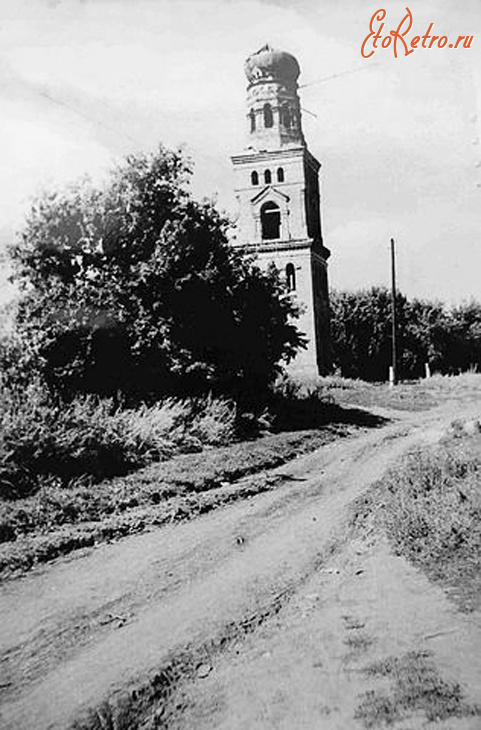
{"x":271,"y":64}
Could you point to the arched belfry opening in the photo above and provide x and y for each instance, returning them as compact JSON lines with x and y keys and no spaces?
{"x":270,"y":221}
{"x":277,"y":187}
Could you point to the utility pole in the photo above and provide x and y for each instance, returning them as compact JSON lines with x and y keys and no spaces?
{"x":393,"y":368}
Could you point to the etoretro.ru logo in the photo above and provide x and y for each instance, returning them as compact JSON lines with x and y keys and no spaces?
{"x":398,"y":40}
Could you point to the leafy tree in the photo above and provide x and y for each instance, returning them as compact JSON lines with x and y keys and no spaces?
{"x":135,"y":288}
{"x":427,"y":332}
{"x":465,"y":344}
{"x":361,"y":332}
{"x":426,"y":338}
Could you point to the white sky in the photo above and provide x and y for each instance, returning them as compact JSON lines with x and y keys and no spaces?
{"x":84,"y":82}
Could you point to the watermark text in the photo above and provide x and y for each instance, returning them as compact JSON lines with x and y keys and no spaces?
{"x":399,"y":39}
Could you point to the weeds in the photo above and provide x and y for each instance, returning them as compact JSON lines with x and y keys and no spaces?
{"x":44,"y":442}
{"x":433,"y":512}
{"x":415,"y":687}
{"x":358,"y":641}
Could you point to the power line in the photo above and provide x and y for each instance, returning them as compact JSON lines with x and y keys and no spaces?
{"x":308,"y":112}
{"x":87,"y":117}
{"x":323,"y":79}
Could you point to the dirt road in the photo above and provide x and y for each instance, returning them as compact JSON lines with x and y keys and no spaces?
{"x":259,"y":615}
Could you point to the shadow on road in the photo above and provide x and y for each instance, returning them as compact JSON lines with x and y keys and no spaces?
{"x":303,"y":415}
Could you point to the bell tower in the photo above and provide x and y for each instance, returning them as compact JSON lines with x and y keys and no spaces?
{"x":277,"y":188}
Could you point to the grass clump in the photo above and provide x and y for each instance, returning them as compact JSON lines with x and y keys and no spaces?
{"x":433,"y":512}
{"x":416,"y":686}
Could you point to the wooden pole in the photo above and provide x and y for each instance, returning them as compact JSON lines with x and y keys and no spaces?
{"x":393,"y":373}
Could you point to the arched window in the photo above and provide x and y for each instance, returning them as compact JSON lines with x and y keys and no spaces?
{"x":252,"y":117}
{"x":267,"y":177}
{"x":270,"y":221}
{"x":280,"y":174}
{"x":268,"y":117}
{"x":291,"y":277}
{"x":255,"y":178}
{"x":286,"y":115}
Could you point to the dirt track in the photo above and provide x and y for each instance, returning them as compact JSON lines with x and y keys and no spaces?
{"x":250,"y":610}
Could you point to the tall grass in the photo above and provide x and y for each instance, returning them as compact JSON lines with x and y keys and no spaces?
{"x":43,"y":441}
{"x":433,"y":510}
{"x":47,"y":442}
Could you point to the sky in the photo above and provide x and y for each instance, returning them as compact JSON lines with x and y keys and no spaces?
{"x":85,"y":82}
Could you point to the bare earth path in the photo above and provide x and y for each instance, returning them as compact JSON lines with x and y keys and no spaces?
{"x":269,"y":596}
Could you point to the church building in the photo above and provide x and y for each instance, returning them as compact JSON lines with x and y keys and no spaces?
{"x":277,"y":187}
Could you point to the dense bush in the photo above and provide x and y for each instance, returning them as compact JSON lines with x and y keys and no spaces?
{"x":449,"y":340}
{"x":135,"y":288}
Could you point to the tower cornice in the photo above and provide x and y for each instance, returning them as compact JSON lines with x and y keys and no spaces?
{"x":316,"y":247}
{"x":276,"y":155}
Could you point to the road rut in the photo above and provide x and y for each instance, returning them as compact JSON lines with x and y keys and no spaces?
{"x":96,"y":626}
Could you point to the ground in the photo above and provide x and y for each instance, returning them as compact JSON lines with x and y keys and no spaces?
{"x":287,"y":609}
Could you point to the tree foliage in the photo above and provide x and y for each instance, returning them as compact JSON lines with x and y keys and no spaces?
{"x":427,"y":332}
{"x":134,"y":288}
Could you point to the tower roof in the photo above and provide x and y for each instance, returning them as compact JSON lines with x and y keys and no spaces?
{"x":271,"y":64}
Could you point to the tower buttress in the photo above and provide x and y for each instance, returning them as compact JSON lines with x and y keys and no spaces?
{"x":277,"y":187}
